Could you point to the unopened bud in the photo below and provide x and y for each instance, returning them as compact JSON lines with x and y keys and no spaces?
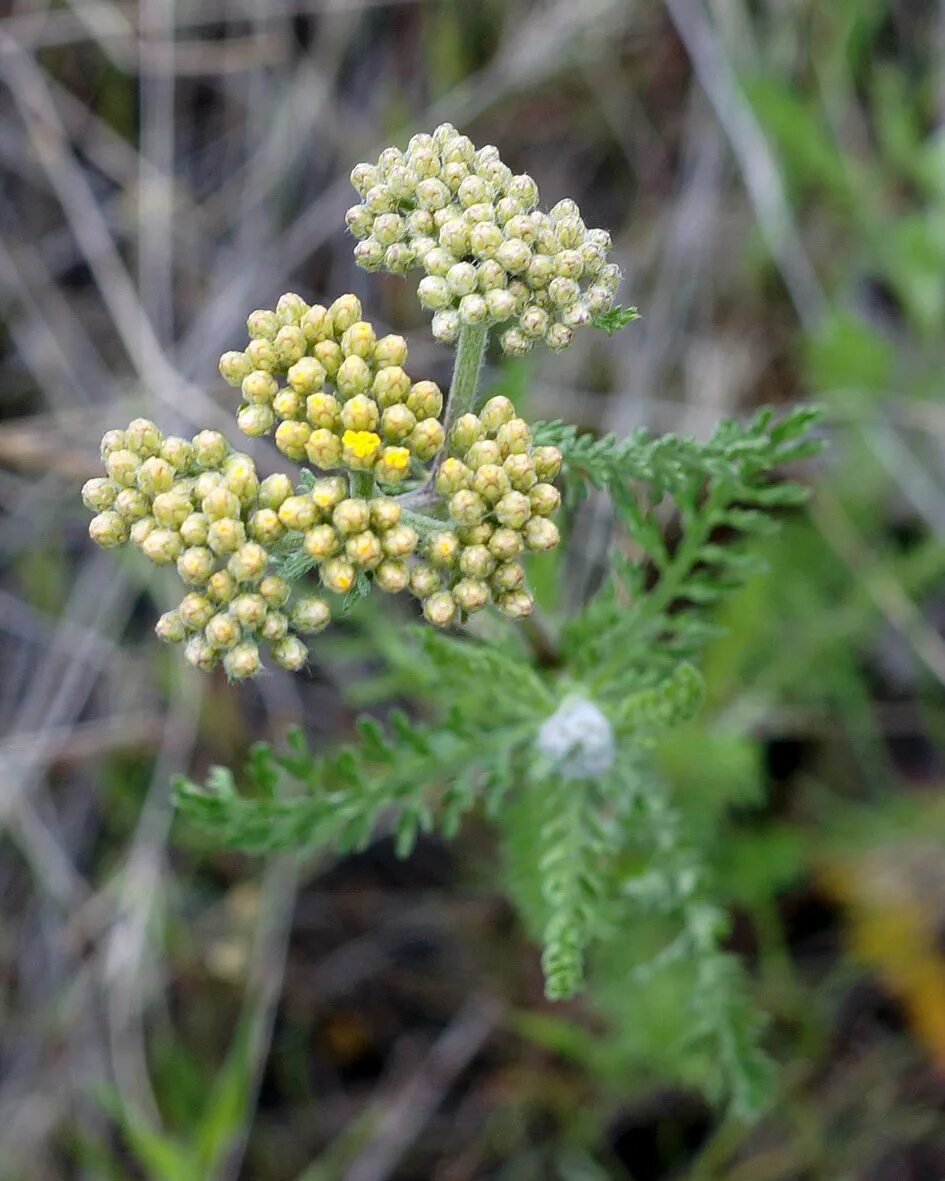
{"x":162,"y":546}
{"x":108,"y":529}
{"x":242,"y":661}
{"x":290,"y":653}
{"x":170,"y":628}
{"x":439,"y":609}
{"x":311,"y":615}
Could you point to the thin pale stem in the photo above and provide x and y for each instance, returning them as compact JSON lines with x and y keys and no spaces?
{"x":470,"y":352}
{"x":464,"y":386}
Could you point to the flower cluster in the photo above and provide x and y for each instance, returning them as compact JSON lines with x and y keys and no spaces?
{"x":490,"y":255}
{"x":347,"y":401}
{"x":499,"y":497}
{"x":199,"y":504}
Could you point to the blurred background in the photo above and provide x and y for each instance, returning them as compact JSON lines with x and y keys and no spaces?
{"x":773,"y":172}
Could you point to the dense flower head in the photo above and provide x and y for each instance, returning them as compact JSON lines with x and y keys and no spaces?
{"x":201,"y":506}
{"x":347,"y":401}
{"x":499,"y":497}
{"x":489,"y":254}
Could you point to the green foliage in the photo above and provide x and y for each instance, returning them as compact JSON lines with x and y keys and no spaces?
{"x":202,"y":1149}
{"x":557,"y":748}
{"x":615,"y":318}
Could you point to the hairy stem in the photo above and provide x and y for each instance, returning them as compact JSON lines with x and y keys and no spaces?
{"x":470,"y":351}
{"x":362,"y":484}
{"x":464,"y":386}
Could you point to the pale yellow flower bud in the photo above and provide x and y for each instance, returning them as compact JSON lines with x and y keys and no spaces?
{"x":516,"y":604}
{"x":392,"y":575}
{"x":390,"y":350}
{"x":508,"y":576}
{"x":123,"y":466}
{"x":99,"y":494}
{"x":170,"y":628}
{"x":491,"y":482}
{"x":274,"y":490}
{"x":290,"y":308}
{"x":427,"y":439}
{"x":226,"y":535}
{"x":262,"y":354}
{"x":439,"y":609}
{"x":143,"y":437}
{"x":311,"y":615}
{"x":162,"y":546}
{"x":385,"y":513}
{"x":265,"y":526}
{"x":290,"y":653}
{"x":397,"y":422}
{"x":547,"y":461}
{"x":446,"y":325}
{"x":196,"y":611}
{"x":324,"y":449}
{"x":513,"y":437}
{"x":471,"y":594}
{"x":338,"y":575}
{"x":108,"y":529}
{"x":425,"y":400}
{"x":274,"y":589}
{"x":317,"y":324}
{"x":323,"y":411}
{"x":292,"y":438}
{"x":521,"y":471}
{"x":393,"y":465}
{"x":140,"y":529}
{"x":353,"y":377}
{"x":178,"y":452}
{"x":345,"y":311}
{"x":289,"y":404}
{"x":275,"y":627}
{"x":505,"y":544}
{"x":321,"y":542}
{"x":513,"y":510}
{"x":297,"y":512}
{"x":255,"y":421}
{"x":541,"y":534}
{"x":222,"y":631}
{"x":195,"y":565}
{"x":399,"y":542}
{"x":249,"y":610}
{"x":391,"y":386}
{"x":249,"y":562}
{"x":360,"y":413}
{"x":329,"y":491}
{"x":306,"y":376}
{"x":132,"y":505}
{"x":482,"y":452}
{"x":452,"y":476}
{"x":193,"y":529}
{"x":220,"y":502}
{"x":210,"y":449}
{"x":200,"y":654}
{"x":351,"y":515}
{"x":262,"y":324}
{"x":364,"y":550}
{"x":242,"y":661}
{"x":221,"y":587}
{"x":171,"y":509}
{"x":475,"y":561}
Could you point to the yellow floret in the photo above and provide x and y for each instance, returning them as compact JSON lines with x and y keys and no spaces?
{"x":362,"y":443}
{"x":397,"y":457}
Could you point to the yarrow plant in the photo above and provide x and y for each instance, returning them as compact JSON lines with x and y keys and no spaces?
{"x":404,"y":489}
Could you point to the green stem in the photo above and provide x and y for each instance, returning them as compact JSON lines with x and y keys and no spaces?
{"x":464,"y":386}
{"x":470,"y":351}
{"x":362,"y":485}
